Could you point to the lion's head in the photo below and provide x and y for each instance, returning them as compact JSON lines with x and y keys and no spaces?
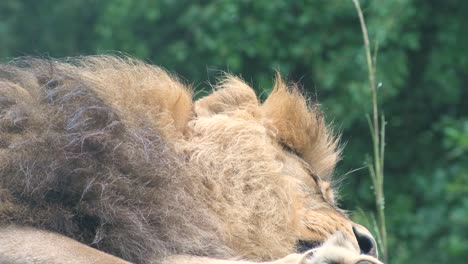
{"x":265,"y":170}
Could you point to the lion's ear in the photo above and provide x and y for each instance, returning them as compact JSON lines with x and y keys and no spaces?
{"x":301,"y":127}
{"x":232,"y":94}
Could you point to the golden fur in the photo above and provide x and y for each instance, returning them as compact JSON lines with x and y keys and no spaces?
{"x":32,"y":246}
{"x":112,"y":152}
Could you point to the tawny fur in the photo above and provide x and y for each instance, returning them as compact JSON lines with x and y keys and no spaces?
{"x":114,"y":153}
{"x":301,"y":127}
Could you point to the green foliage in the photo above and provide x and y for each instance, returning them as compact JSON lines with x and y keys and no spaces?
{"x":422,"y":65}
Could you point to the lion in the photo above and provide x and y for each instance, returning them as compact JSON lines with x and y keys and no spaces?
{"x":107,"y":159}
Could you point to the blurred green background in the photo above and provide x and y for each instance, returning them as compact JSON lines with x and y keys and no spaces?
{"x":422,"y":66}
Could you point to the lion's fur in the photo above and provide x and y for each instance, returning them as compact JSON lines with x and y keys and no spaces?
{"x":114,"y":153}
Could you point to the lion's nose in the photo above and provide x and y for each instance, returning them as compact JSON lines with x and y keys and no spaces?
{"x":365,"y":240}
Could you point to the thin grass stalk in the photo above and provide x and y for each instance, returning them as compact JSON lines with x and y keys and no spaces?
{"x":378,"y":139}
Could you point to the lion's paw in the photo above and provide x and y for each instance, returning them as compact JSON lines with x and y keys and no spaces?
{"x":291,"y":259}
{"x":316,"y":257}
{"x":335,"y":250}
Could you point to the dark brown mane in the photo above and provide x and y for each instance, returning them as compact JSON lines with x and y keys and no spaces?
{"x":69,"y":163}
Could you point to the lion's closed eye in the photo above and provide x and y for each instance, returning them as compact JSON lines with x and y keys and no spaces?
{"x":322,"y":186}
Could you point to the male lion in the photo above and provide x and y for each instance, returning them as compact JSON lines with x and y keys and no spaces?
{"x":112,"y":153}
